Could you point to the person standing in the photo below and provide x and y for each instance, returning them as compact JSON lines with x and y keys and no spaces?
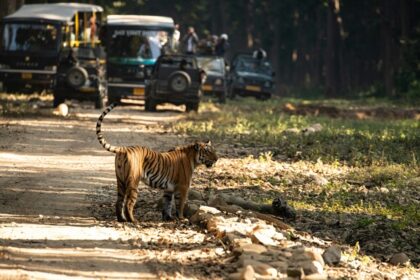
{"x":190,"y":41}
{"x":222,"y":45}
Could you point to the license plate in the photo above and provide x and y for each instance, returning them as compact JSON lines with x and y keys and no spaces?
{"x":138,"y":91}
{"x":253,"y":88}
{"x":26,"y":76}
{"x":207,"y":88}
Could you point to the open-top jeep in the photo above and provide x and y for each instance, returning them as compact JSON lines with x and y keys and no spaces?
{"x":133,"y":44}
{"x":54,"y":47}
{"x":175,"y":79}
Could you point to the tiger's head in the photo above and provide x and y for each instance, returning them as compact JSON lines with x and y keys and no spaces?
{"x":205,"y":153}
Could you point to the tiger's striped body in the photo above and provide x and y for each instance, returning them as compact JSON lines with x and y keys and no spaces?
{"x":170,"y":171}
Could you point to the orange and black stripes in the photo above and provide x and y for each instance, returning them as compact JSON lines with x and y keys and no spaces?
{"x":101,"y":138}
{"x":170,"y":171}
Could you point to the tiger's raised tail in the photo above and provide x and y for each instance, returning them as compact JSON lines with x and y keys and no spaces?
{"x":102,"y":141}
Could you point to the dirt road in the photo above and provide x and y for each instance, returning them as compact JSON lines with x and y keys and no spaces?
{"x":57,"y":191}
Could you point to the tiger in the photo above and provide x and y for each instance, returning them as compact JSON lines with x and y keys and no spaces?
{"x":170,"y":171}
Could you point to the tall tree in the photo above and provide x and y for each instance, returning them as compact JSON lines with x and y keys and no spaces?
{"x":333,"y":50}
{"x":389,"y":46}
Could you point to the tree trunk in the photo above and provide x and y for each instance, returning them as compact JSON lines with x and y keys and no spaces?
{"x":332,"y":56}
{"x":389,"y":70}
{"x":249,"y":20}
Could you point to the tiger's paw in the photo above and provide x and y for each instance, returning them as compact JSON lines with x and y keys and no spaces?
{"x":166,"y":217}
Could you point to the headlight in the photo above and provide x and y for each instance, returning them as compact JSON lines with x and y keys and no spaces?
{"x":267,"y":84}
{"x":241,"y":80}
{"x":218,"y":82}
{"x":4,"y":66}
{"x":51,"y":68}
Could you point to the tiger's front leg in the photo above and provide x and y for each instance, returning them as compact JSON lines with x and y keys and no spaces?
{"x":183,"y":195}
{"x":167,"y":206}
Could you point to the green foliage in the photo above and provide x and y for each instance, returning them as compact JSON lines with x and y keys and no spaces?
{"x":355,"y":142}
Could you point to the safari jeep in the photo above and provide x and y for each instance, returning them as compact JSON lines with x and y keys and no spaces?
{"x":250,"y":76}
{"x":54,"y":47}
{"x":175,"y":79}
{"x":133,"y":44}
{"x":215,"y":84}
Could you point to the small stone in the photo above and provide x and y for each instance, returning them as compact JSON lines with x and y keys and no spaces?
{"x":259,"y":237}
{"x":332,"y":255}
{"x":399,"y":258}
{"x":316,"y":276}
{"x":195,"y":195}
{"x":311,"y":267}
{"x":217,"y":201}
{"x":251,"y":256}
{"x":280,"y":266}
{"x":300,"y":256}
{"x":296,"y":272}
{"x":315,"y":256}
{"x":61,"y":110}
{"x":261,"y":268}
{"x":247,"y":273}
{"x":235,"y":276}
{"x":191,"y":209}
{"x":253,"y":248}
{"x":210,"y":210}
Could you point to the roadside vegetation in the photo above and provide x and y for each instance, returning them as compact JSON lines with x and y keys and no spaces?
{"x":353,"y":180}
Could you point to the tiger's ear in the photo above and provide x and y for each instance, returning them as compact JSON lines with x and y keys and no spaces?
{"x":208,"y":143}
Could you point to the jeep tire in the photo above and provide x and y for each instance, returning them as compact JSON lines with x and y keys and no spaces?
{"x":149,"y":105}
{"x":179,"y":81}
{"x":76,"y":77}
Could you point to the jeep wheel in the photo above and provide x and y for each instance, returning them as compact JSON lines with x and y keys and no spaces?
{"x":179,"y":81}
{"x":149,"y":105}
{"x":76,"y":77}
{"x":193,"y":106}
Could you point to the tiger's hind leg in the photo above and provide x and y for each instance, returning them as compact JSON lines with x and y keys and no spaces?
{"x":119,"y":206}
{"x":130,"y":200}
{"x":167,"y":206}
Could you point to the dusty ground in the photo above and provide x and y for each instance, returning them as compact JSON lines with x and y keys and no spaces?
{"x":57,"y":194}
{"x":56,"y":203}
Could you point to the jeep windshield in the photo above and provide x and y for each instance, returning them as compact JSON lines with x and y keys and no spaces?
{"x":211,"y":64}
{"x":29,"y":37}
{"x":254,"y":66}
{"x":136,"y":45}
